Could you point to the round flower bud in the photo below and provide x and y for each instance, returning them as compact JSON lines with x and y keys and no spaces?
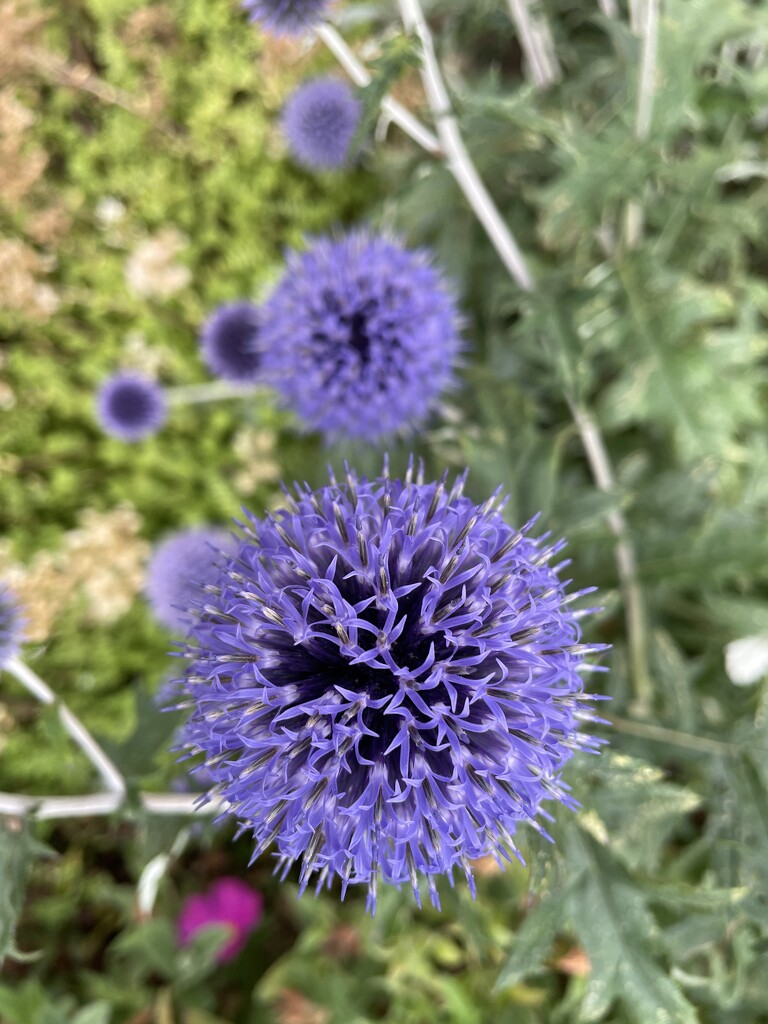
{"x":181,"y":567}
{"x":130,"y":407}
{"x":229,"y":342}
{"x":320,"y":121}
{"x":361,"y":337}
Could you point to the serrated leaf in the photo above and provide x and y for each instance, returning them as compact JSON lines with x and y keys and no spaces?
{"x":151,"y":946}
{"x":534,"y":940}
{"x":16,"y":847}
{"x":638,"y":808}
{"x":609,"y":914}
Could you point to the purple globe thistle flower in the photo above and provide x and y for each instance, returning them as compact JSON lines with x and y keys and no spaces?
{"x":180,"y":569}
{"x":388,"y":682}
{"x":287,"y":17}
{"x":130,"y":406}
{"x":320,"y":121}
{"x":361,"y":336}
{"x":11,"y":625}
{"x":229,"y":902}
{"x":229,"y":340}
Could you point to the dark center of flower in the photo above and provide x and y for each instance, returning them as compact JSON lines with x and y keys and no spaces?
{"x":237,"y":344}
{"x":359,"y":338}
{"x":131,"y":404}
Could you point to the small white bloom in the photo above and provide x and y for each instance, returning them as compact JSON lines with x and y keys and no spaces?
{"x":151,"y":270}
{"x":109,"y":211}
{"x":746,"y":660}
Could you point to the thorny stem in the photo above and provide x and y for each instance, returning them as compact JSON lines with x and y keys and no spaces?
{"x":626,"y":562}
{"x":608,"y":8}
{"x":93,"y":805}
{"x":115,"y":793}
{"x":458,"y":159}
{"x":636,"y":8}
{"x":650,"y":35}
{"x":111,"y":777}
{"x":648,"y":29}
{"x":536,"y":44}
{"x":360,"y":75}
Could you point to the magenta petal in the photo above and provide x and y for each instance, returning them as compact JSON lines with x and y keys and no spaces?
{"x":238,"y":903}
{"x":228,"y":902}
{"x":195,"y":914}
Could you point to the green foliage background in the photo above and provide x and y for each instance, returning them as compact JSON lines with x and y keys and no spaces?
{"x":651,"y":906}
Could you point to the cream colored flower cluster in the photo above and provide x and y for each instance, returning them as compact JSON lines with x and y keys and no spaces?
{"x":100,"y":563}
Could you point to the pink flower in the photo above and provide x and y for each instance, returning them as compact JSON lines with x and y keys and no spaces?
{"x":228,"y":901}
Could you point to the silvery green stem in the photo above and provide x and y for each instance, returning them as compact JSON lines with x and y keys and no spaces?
{"x":211,"y":391}
{"x":457,"y":157}
{"x":702,"y":744}
{"x":648,"y":29}
{"x":91,"y":805}
{"x":636,"y":9}
{"x":608,"y":8}
{"x":645,"y":96}
{"x":536,"y":42}
{"x":626,"y":562}
{"x":111,"y":777}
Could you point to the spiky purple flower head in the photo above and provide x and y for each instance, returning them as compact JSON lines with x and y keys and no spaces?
{"x":361,"y":336}
{"x":180,"y":568}
{"x":130,"y":406}
{"x":320,"y":120}
{"x":287,"y":17}
{"x":388,"y":682}
{"x":11,"y":625}
{"x":230,"y":342}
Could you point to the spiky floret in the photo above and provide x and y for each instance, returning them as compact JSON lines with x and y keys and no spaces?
{"x":361,"y":336}
{"x":11,"y":625}
{"x":287,"y":17}
{"x":388,"y":682}
{"x":319,"y":121}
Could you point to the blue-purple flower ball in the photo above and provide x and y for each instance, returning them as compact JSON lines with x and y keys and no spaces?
{"x":230,"y":342}
{"x":11,"y":625}
{"x":320,"y":120}
{"x":287,"y":17}
{"x":361,"y":337}
{"x":388,"y":682}
{"x":130,"y":406}
{"x":180,"y":569}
